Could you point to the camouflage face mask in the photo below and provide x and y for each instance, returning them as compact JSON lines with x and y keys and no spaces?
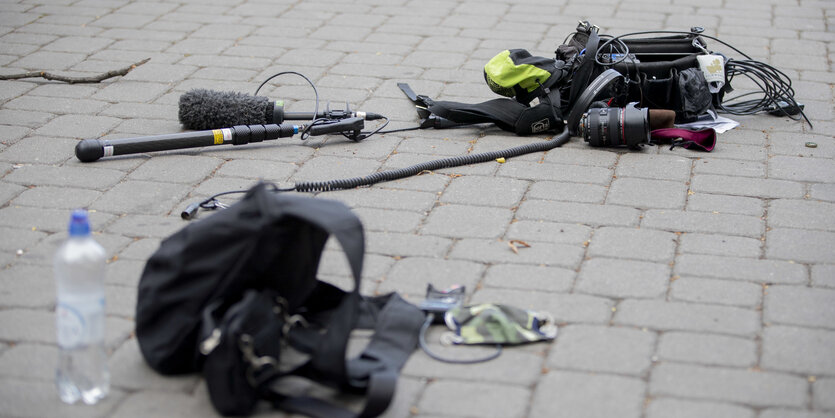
{"x":497,"y":324}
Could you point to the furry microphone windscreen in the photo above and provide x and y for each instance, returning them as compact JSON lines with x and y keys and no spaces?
{"x":202,"y":109}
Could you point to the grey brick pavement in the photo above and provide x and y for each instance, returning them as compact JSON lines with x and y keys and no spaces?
{"x":686,"y":284}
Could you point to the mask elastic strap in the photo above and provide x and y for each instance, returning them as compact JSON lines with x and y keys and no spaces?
{"x":422,"y":342}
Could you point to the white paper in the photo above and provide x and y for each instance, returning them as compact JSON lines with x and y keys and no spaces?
{"x":710,"y":119}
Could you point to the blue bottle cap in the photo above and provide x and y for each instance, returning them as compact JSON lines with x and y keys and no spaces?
{"x":79,"y":223}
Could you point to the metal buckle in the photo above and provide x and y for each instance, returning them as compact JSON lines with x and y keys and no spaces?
{"x":211,"y":342}
{"x":698,"y":44}
{"x":256,"y":362}
{"x":281,"y":306}
{"x":292,"y":321}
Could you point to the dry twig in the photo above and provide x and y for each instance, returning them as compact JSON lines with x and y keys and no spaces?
{"x":74,"y":80}
{"x":513,"y":245}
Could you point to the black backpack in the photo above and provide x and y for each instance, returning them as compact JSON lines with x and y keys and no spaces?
{"x":236,"y":296}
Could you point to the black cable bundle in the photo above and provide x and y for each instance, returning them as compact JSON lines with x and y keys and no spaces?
{"x":774,"y":85}
{"x":775,"y":88}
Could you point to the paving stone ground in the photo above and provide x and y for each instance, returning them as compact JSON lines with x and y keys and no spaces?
{"x":685,"y":284}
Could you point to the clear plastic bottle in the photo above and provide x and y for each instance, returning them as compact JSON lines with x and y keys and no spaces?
{"x":82,"y":372}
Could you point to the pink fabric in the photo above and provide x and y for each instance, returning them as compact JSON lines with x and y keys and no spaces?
{"x":703,"y":139}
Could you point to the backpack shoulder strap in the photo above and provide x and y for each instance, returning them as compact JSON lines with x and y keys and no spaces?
{"x":331,"y":216}
{"x":336,"y":219}
{"x":396,"y":323}
{"x":395,"y":338}
{"x":584,"y":72}
{"x":375,"y":371}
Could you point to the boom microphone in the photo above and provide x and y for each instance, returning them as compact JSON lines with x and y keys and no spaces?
{"x":89,"y":150}
{"x":202,"y":109}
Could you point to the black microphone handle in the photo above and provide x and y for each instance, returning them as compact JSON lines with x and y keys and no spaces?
{"x":89,"y":150}
{"x":332,"y":114}
{"x":302,"y":115}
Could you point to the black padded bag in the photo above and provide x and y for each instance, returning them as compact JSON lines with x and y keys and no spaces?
{"x":663,"y":77}
{"x":266,"y":240}
{"x":223,"y":276}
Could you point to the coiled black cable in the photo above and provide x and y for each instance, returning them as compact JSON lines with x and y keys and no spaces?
{"x":212,"y":203}
{"x":580,"y":106}
{"x":457,"y":161}
{"x":774,"y":87}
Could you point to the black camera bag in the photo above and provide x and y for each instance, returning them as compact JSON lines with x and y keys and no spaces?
{"x":660,"y":73}
{"x":233,"y":294}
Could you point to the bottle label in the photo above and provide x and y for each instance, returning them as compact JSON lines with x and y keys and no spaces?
{"x":80,"y":324}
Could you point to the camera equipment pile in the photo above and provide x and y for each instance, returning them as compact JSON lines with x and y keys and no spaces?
{"x":669,"y":72}
{"x":236,"y":297}
{"x":644,"y":87}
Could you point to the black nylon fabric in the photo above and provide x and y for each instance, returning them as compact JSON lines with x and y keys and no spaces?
{"x":662,"y":74}
{"x":251,"y":270}
{"x":507,"y":114}
{"x":503,"y":112}
{"x":266,"y":240}
{"x":224,"y":372}
{"x":694,"y":95}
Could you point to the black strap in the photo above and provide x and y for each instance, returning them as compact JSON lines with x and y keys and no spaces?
{"x":581,"y":77}
{"x":374,"y":372}
{"x":503,"y":112}
{"x":588,"y":96}
{"x":421,"y":103}
{"x":395,"y":338}
{"x":380,"y":393}
{"x":410,"y":93}
{"x":307,"y":405}
{"x":396,"y":323}
{"x":338,"y":220}
{"x":396,"y":329}
{"x":445,"y":114}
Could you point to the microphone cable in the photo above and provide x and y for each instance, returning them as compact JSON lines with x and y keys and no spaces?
{"x":212,"y":203}
{"x":306,"y":132}
{"x":356,"y":136}
{"x":564,"y":137}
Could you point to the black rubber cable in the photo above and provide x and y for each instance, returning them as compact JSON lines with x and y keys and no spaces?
{"x":775,"y":87}
{"x":306,"y":132}
{"x":457,"y":161}
{"x":582,"y":104}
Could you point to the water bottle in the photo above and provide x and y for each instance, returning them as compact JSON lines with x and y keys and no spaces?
{"x":82,"y":372}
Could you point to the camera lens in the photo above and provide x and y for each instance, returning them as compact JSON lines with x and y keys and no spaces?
{"x":610,"y":127}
